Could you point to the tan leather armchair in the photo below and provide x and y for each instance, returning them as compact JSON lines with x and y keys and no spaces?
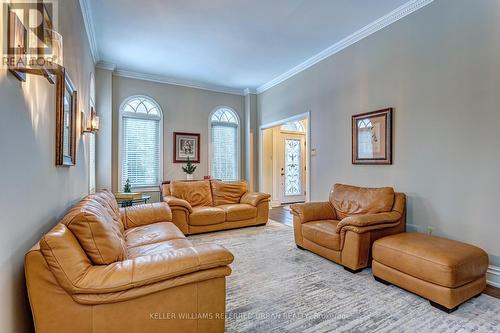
{"x":211,"y":205}
{"x":344,"y":228}
{"x":102,"y":269}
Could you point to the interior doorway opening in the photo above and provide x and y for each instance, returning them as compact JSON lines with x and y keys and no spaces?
{"x":285,"y":161}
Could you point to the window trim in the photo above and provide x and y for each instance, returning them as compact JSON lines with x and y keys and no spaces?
{"x":120,"y":141}
{"x":238,"y":139}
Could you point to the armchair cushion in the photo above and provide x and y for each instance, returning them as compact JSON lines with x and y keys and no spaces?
{"x":313,"y":211}
{"x":228,"y":192}
{"x":351,"y":200}
{"x":197,"y":193}
{"x":322,"y":233}
{"x":135,"y":216}
{"x":254,"y":198}
{"x":369,"y":219}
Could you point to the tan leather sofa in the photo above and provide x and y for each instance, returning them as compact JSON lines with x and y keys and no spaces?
{"x":444,"y":271}
{"x":102,"y":269}
{"x":344,"y":228}
{"x":210,"y":205}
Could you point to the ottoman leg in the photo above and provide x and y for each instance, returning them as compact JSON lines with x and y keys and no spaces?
{"x":382,"y":281}
{"x":443,"y":308}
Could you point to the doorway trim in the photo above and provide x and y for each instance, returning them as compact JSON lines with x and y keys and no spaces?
{"x":300,"y":116}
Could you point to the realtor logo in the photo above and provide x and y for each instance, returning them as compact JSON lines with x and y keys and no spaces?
{"x":32,"y":39}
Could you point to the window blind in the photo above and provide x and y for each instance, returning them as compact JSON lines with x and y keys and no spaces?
{"x":141,"y":152}
{"x":224,"y":151}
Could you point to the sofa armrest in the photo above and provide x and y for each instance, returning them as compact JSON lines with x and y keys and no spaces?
{"x":138,"y":215}
{"x":254,"y":198}
{"x":313,"y":211}
{"x":370,"y":220}
{"x":147,"y":270}
{"x":176,"y":203}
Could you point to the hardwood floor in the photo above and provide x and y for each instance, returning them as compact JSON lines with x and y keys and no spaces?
{"x":283,"y":215}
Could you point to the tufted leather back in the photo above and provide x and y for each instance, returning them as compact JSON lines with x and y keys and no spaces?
{"x":197,"y":193}
{"x":95,"y":222}
{"x":352,"y":200}
{"x":228,"y":192}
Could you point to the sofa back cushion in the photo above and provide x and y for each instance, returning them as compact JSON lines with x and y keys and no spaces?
{"x":352,"y":200}
{"x":197,"y":193}
{"x":98,"y":228}
{"x":228,"y":192}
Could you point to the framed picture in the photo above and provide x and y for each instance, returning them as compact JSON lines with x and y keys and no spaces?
{"x":186,"y":146}
{"x":372,"y":137}
{"x":66,"y":112}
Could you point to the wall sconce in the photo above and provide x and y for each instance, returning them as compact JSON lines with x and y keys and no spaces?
{"x":92,"y":126}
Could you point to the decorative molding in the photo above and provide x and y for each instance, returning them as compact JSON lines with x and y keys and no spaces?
{"x":249,"y":91}
{"x":89,"y":28}
{"x":177,"y":82}
{"x":364,"y":32}
{"x":493,"y":276}
{"x":106,"y":65}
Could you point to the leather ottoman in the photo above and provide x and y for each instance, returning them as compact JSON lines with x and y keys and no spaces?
{"x":446,"y":272}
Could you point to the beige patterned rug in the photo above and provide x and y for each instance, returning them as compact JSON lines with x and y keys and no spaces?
{"x":276,"y":287}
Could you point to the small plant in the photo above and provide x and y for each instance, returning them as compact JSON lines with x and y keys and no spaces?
{"x":189,"y":168}
{"x":127,"y":188}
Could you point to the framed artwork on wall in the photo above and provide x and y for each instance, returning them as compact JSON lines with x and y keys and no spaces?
{"x":186,"y":146}
{"x":66,"y":112}
{"x":372,"y":137}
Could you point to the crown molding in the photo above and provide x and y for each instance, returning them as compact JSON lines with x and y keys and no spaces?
{"x":89,"y":29}
{"x":384,"y":21}
{"x":177,"y":82}
{"x":106,"y":65}
{"x":249,"y":91}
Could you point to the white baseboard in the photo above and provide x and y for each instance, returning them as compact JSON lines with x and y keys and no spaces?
{"x":493,"y":276}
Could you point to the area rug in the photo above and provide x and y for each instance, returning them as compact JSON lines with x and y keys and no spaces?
{"x":276,"y":287}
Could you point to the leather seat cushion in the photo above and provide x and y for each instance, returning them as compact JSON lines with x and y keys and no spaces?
{"x":161,"y":247}
{"x":152,"y":233}
{"x":238,"y":212}
{"x":441,"y":261}
{"x":352,"y":200}
{"x":228,"y":192}
{"x":197,"y":193}
{"x":207,"y":216}
{"x":322,"y":232}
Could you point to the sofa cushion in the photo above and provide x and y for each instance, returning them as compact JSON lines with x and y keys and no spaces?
{"x":152,"y":233}
{"x":197,"y":193}
{"x":207,"y":216}
{"x":97,"y":232}
{"x":352,"y":200}
{"x":323,"y":233}
{"x":156,"y":248}
{"x":239,"y":212}
{"x":441,"y":261}
{"x":228,"y":192}
{"x":108,"y":201}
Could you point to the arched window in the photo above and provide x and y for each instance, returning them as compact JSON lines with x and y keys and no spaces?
{"x":293,"y":126}
{"x":224,"y":144}
{"x":140,"y":142}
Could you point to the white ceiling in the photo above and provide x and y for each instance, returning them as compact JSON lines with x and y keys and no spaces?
{"x":228,"y":43}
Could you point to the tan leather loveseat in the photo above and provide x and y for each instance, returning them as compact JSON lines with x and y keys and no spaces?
{"x":210,"y":205}
{"x":106,"y":270}
{"x":344,"y":228}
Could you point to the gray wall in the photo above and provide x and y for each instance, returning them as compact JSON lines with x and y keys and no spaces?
{"x":104,"y":138}
{"x":440,"y":69}
{"x":34,"y":192}
{"x":184,"y":110}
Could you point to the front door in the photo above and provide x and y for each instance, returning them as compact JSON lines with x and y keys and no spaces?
{"x":293,"y":164}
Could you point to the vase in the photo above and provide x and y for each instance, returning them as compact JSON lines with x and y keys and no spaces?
{"x":189,"y":177}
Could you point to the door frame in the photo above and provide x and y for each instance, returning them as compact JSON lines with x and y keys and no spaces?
{"x":300,"y":116}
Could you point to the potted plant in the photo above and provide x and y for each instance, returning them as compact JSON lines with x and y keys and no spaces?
{"x":189,"y":169}
{"x":127,"y":188}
